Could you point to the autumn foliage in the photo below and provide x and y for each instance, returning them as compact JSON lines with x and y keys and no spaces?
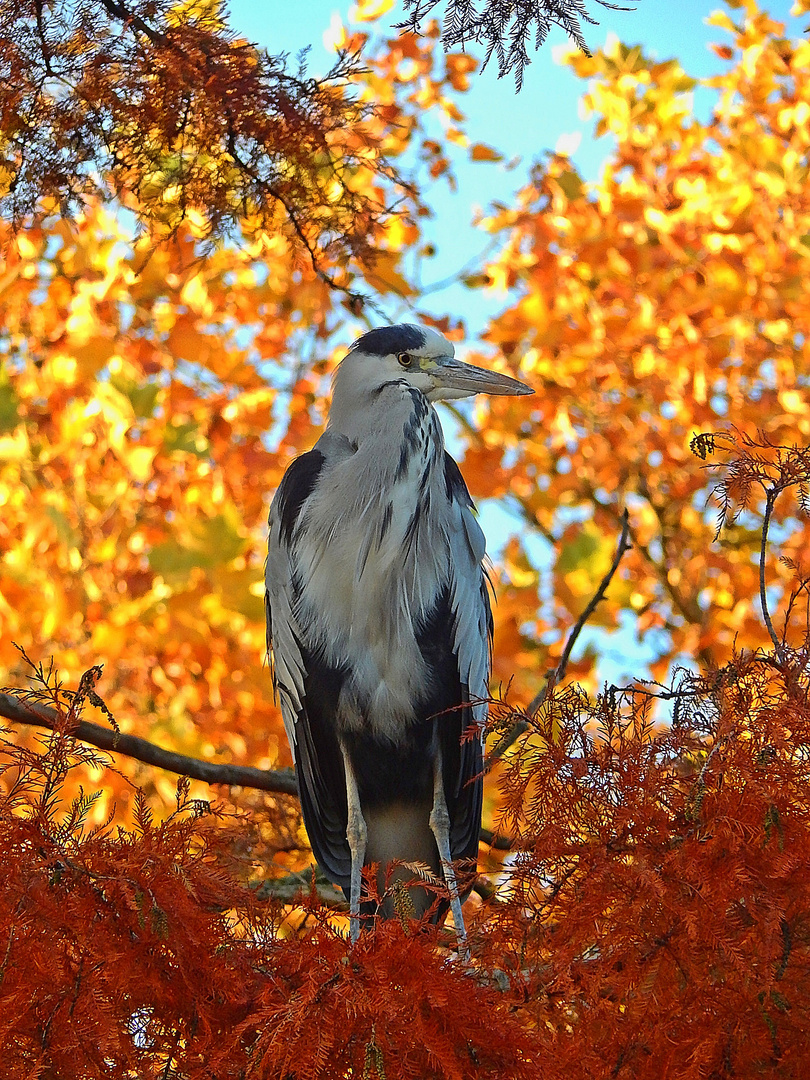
{"x":135,"y":950}
{"x":653,"y":920}
{"x":644,"y":908}
{"x":159,"y":103}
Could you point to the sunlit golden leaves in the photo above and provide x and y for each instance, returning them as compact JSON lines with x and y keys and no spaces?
{"x":152,"y":395}
{"x":134,"y":473}
{"x":667,"y":298}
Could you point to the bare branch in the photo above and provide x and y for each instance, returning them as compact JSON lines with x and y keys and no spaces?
{"x":598,"y":596}
{"x":773,"y":468}
{"x":278,"y":781}
{"x":770,"y":498}
{"x":293,"y":886}
{"x":556,"y":675}
{"x":509,"y":738}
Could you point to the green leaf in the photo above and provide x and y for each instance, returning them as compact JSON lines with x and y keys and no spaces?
{"x":571,"y":183}
{"x":64,"y":530}
{"x":173,"y":560}
{"x":234,"y":587}
{"x":205,"y":543}
{"x":185,"y":438}
{"x":589,"y":549}
{"x":9,"y":404}
{"x":220,"y":538}
{"x":141,"y":396}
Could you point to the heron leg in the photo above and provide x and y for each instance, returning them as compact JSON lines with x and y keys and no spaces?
{"x":440,"y":826}
{"x":357,"y":837}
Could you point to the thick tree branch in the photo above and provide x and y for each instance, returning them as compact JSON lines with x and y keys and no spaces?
{"x":278,"y":781}
{"x":292,"y":886}
{"x":129,"y":18}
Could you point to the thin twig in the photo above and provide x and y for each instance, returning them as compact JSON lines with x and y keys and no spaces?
{"x":770,"y":499}
{"x":557,"y":674}
{"x":598,"y":596}
{"x":506,"y":740}
{"x":356,"y":299}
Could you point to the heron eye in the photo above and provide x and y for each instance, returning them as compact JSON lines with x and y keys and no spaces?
{"x":405,"y":359}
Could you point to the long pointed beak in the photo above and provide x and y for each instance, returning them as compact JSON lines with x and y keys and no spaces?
{"x":451,"y":374}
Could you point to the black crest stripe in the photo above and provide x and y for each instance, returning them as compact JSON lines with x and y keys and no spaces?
{"x":386,"y":340}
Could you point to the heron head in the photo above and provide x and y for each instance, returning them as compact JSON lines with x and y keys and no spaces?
{"x":425,"y":359}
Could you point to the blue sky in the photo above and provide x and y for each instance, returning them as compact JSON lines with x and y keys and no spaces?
{"x":522,"y":126}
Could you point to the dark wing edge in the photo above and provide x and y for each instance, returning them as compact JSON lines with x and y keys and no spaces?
{"x":301,"y":683}
{"x":471,"y":636}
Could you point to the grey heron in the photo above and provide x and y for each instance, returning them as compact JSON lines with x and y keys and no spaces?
{"x":379,"y":621}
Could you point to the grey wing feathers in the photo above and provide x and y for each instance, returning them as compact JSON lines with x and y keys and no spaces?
{"x":282,"y":631}
{"x":299,"y":679}
{"x":472,"y":641}
{"x":472,"y":646}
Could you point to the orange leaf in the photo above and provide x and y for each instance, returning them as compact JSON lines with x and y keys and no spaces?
{"x":482,"y":152}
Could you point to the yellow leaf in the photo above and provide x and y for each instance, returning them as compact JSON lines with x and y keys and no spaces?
{"x":202,"y":13}
{"x":195,"y":295}
{"x":369,"y":10}
{"x":15,"y":447}
{"x":138,"y":459}
{"x":26,"y":248}
{"x":386,"y":277}
{"x":92,"y":356}
{"x":62,"y":369}
{"x":794,"y":402}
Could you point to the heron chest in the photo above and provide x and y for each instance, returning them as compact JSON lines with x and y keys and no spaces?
{"x":361,"y":564}
{"x":371,"y":561}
